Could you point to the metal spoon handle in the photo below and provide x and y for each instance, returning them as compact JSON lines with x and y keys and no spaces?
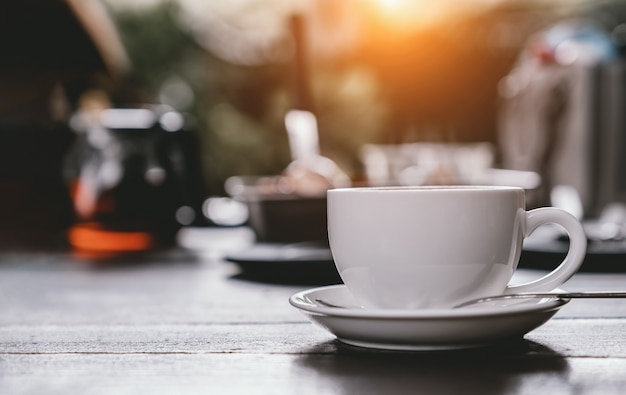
{"x":524,"y":295}
{"x":560,"y":295}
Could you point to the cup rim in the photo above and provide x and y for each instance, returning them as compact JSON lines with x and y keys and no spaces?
{"x":430,"y":189}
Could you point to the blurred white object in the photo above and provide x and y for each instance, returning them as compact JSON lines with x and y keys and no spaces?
{"x":439,"y":163}
{"x":302,"y":132}
{"x":610,"y":225}
{"x":561,"y":113}
{"x":214,"y":243}
{"x":567,"y":198}
{"x":310,"y":173}
{"x":225,"y":211}
{"x":422,"y":163}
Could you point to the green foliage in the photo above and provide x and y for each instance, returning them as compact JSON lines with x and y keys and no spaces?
{"x":156,"y":44}
{"x":240,"y":109}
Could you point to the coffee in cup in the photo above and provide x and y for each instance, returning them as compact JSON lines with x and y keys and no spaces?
{"x":435,"y":247}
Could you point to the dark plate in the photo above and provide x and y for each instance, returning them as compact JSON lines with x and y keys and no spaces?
{"x":294,"y":263}
{"x":548,"y":252}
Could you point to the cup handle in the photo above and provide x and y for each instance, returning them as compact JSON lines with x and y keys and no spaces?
{"x":575,"y":254}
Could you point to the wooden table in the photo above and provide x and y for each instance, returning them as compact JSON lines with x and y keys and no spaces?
{"x":183,"y":321}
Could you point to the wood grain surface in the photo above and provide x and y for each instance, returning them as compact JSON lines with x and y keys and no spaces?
{"x":185,"y":321}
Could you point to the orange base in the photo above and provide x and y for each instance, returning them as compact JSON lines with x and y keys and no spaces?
{"x":92,"y":236}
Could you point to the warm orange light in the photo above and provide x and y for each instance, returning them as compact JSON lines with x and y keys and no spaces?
{"x":399,"y":15}
{"x":391,"y":4}
{"x":414,"y":14}
{"x":92,"y":237}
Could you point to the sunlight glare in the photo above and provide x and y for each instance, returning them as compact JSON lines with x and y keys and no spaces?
{"x":399,"y":15}
{"x":390,"y":4}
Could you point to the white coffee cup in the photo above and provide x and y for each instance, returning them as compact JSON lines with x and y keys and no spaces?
{"x":434,"y":247}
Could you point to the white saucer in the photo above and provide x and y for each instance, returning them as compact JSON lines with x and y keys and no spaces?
{"x":473,"y":326}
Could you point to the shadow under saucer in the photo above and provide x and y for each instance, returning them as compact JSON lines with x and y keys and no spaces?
{"x":490,"y":370}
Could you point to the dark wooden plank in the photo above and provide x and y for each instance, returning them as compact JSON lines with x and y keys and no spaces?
{"x":183,"y":288}
{"x":306,"y":374}
{"x":597,"y":338}
{"x":60,"y":290}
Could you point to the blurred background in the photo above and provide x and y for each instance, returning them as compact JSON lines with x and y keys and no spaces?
{"x":120,"y":116}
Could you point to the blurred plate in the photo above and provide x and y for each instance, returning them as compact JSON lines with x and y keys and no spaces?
{"x":545,"y":249}
{"x":295,"y":263}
